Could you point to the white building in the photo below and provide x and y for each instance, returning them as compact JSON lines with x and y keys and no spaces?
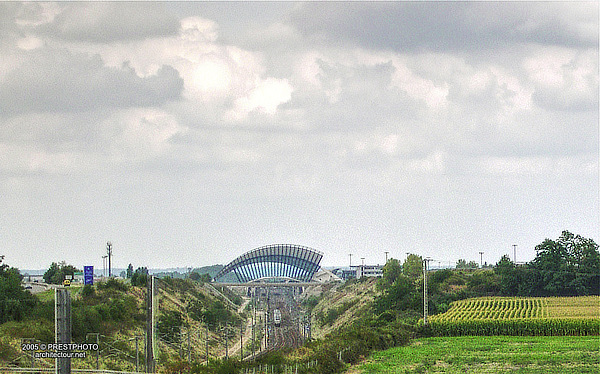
{"x":369,"y":271}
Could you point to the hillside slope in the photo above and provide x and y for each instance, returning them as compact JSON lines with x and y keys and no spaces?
{"x":341,"y":305}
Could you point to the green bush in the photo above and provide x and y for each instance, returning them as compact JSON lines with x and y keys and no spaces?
{"x":113,"y":284}
{"x":169,"y":326}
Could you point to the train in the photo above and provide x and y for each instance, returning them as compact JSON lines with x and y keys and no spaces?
{"x":277,"y":317}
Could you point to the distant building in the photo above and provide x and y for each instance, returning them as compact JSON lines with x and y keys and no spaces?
{"x":369,"y":271}
{"x":324,"y":276}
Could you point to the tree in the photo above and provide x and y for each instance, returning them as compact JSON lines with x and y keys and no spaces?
{"x":15,"y":302}
{"x":140,"y":277}
{"x":129,"y":271}
{"x":169,"y":326}
{"x":508,"y":281}
{"x":413,"y":266}
{"x":569,"y":266}
{"x":483,"y":282}
{"x":391,"y":271}
{"x":463,"y":264}
{"x":57,"y":272}
{"x":400,"y":296}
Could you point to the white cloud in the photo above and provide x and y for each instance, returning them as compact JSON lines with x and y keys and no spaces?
{"x":265,"y":97}
{"x":564,"y":79}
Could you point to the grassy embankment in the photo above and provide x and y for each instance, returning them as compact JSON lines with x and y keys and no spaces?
{"x":116,"y":311}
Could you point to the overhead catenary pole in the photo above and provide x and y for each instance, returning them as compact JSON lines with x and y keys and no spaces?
{"x":425,"y":304}
{"x":62,"y":326}
{"x":150,"y":325}
{"x":241,"y":340}
{"x":206,"y":326}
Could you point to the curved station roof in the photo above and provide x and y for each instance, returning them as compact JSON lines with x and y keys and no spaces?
{"x":291,"y":261}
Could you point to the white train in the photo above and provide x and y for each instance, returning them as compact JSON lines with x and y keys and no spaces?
{"x":277,"y":317}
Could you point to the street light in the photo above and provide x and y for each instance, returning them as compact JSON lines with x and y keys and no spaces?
{"x":481,"y":259}
{"x":104,"y":265}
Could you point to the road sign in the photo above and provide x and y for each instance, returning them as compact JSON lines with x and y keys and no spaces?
{"x":88,"y":275}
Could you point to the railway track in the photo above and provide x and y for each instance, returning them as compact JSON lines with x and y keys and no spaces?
{"x":287,"y":334}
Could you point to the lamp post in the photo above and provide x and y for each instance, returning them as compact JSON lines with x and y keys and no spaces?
{"x":386,"y":257}
{"x":104,"y":265}
{"x":481,"y":259}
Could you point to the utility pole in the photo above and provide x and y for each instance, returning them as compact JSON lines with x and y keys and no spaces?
{"x":515,"y":253}
{"x":480,"y":259}
{"x":386,"y":256}
{"x":206,"y":326}
{"x":226,"y":343}
{"x":189,"y":347}
{"x":425,"y":306}
{"x":241,"y":341}
{"x":150,"y":325}
{"x":62,"y":323}
{"x":109,"y":254}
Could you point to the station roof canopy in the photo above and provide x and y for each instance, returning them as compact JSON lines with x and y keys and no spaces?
{"x":291,"y":261}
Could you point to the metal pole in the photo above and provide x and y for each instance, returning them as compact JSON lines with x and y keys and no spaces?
{"x":226,"y":344}
{"x":386,"y":257}
{"x":189,"y":347}
{"x":515,"y":253}
{"x":137,"y":355}
{"x":206,"y":325}
{"x":425,"y":305}
{"x":149,"y":325}
{"x":241,"y":341}
{"x":109,"y":251}
{"x":62,"y":317}
{"x":481,"y":259}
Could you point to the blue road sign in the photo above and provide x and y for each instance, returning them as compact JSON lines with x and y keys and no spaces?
{"x":88,"y":275}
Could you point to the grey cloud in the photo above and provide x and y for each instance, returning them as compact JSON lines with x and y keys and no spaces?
{"x":443,"y":26}
{"x":112,"y":21}
{"x":59,"y":81}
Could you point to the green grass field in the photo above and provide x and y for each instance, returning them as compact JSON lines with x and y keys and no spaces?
{"x":489,"y":354}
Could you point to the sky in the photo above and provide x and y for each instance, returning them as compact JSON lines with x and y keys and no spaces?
{"x":187,"y":133}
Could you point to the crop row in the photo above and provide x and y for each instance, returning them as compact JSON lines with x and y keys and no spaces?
{"x":495,"y":309}
{"x":522,"y":327}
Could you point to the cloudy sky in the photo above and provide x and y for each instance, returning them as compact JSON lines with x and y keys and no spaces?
{"x":189,"y":133}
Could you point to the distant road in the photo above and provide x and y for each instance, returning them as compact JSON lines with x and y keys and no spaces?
{"x":37,"y":287}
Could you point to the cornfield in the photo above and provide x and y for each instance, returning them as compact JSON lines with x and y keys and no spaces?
{"x":518,"y":316}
